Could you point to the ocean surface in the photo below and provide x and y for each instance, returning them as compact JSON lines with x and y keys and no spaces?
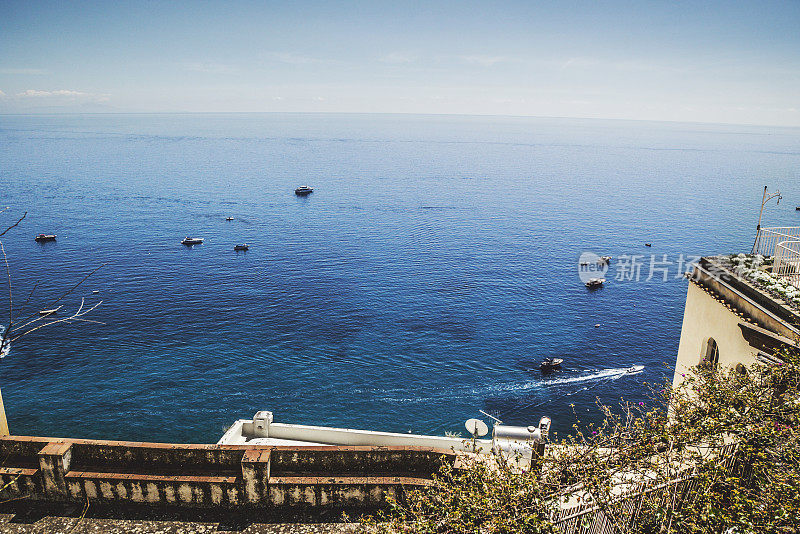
{"x":433,"y":267}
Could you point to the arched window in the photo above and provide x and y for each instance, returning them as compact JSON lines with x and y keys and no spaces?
{"x":710,"y":354}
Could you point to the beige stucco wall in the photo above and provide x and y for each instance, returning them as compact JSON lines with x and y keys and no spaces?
{"x":704,"y":317}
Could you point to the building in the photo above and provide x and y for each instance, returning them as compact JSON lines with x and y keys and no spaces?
{"x":743,"y":308}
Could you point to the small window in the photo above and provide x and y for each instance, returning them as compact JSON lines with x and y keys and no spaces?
{"x":710,"y":354}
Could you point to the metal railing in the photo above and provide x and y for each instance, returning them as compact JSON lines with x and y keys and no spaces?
{"x":768,"y":239}
{"x":787,"y":261}
{"x":623,"y":513}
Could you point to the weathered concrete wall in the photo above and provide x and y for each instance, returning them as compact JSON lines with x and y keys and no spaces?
{"x":718,"y":305}
{"x":704,"y":318}
{"x":358,"y":460}
{"x":212,"y":475}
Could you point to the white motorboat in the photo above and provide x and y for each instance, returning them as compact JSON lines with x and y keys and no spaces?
{"x":595,"y":282}
{"x":192,"y":241}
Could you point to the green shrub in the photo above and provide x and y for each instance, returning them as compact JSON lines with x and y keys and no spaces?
{"x":719,"y":452}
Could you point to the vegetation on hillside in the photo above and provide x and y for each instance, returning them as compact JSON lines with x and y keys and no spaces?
{"x":720,"y":453}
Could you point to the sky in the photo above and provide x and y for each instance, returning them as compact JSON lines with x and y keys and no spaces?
{"x":721,"y":62}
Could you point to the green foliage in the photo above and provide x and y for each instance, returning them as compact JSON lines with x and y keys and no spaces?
{"x":719,"y":452}
{"x":757,"y":489}
{"x":481,"y":498}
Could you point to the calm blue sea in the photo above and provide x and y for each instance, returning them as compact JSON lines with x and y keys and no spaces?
{"x":434,"y":265}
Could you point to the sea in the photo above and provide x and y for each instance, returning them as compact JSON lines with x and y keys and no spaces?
{"x":433,"y":267}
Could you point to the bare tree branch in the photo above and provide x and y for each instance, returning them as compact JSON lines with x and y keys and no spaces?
{"x":7,"y":331}
{"x":73,"y":288}
{"x":88,"y":321}
{"x":30,"y":295}
{"x":72,"y":317}
{"x":27,"y":300}
{"x":13,"y":225}
{"x":6,"y":338}
{"x":33,"y":316}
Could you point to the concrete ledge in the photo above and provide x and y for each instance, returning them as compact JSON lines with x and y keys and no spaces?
{"x":157,"y":478}
{"x":213,"y":475}
{"x":18,"y":471}
{"x":406,"y":481}
{"x":356,"y":460}
{"x":763,"y":308}
{"x":17,"y":482}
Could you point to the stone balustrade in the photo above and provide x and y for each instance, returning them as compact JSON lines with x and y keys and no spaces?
{"x":347,"y":477}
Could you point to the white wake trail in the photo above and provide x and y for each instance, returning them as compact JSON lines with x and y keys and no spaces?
{"x":482,"y":392}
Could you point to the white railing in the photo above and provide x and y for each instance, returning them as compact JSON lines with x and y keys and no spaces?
{"x":768,"y":239}
{"x":787,"y":261}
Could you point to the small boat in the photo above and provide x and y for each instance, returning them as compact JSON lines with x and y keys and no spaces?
{"x":303,"y":190}
{"x":189,"y":241}
{"x":48,"y":312}
{"x":550,"y":363}
{"x":595,"y":282}
{"x":44,"y":237}
{"x":648,"y":244}
{"x":228,"y":218}
{"x":798,"y":208}
{"x":604,"y":260}
{"x":243,"y":246}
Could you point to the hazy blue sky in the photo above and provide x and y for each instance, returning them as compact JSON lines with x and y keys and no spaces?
{"x":689,"y":61}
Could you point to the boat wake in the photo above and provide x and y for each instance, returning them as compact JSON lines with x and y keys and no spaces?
{"x":587,"y":376}
{"x":517,"y":389}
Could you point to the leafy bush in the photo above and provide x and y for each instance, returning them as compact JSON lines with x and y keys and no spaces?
{"x":719,"y":453}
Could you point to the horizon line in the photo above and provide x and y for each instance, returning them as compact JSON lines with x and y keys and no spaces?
{"x":45,"y":113}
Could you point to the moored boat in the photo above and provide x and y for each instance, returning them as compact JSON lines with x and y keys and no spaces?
{"x":45,"y":237}
{"x":549,"y":364}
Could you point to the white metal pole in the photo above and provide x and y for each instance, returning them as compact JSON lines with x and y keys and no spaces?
{"x":758,"y":227}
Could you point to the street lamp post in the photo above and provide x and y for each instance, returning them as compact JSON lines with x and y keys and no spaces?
{"x":764,"y":200}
